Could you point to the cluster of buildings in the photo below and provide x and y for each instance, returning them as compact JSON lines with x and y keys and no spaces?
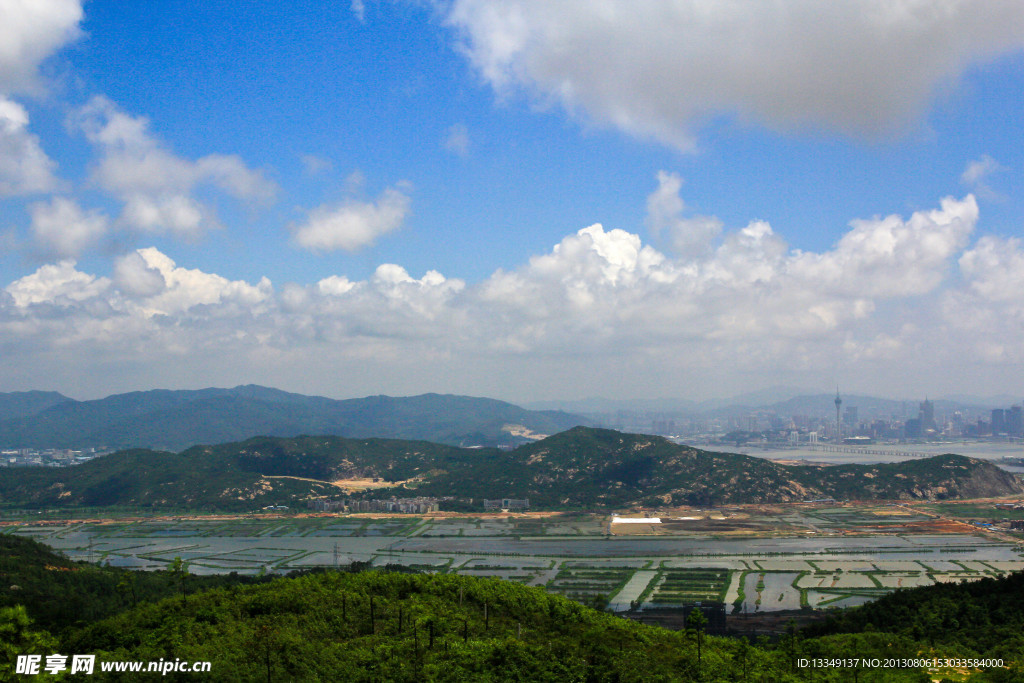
{"x":835,"y":422}
{"x":1004,"y":423}
{"x":506,"y":504}
{"x":406,"y":505}
{"x":50,"y":457}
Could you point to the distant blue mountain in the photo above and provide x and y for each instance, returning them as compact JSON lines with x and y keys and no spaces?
{"x":174,"y":420}
{"x":25,"y":403}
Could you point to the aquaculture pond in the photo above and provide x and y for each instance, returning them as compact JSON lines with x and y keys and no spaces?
{"x":568,"y":555}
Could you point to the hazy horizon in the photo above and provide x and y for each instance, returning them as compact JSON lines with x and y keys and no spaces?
{"x":770,"y":395}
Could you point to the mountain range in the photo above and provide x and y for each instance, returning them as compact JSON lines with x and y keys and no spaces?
{"x":174,"y":420}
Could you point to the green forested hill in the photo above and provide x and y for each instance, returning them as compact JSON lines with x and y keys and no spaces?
{"x":392,"y":627}
{"x":173,"y":420}
{"x":600,"y":467}
{"x":580,"y":468}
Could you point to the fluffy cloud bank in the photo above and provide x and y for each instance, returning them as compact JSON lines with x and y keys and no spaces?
{"x":895,"y":295}
{"x":659,"y":68}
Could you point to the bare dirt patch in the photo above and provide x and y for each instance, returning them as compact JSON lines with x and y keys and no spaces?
{"x":366,"y":484}
{"x":892,"y":512}
{"x":284,"y":476}
{"x":523,"y":431}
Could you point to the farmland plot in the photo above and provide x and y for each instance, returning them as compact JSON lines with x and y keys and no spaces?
{"x":628,"y":564}
{"x":751,"y":594}
{"x":943,"y":566}
{"x":845,"y":565}
{"x":631,"y":592}
{"x":898,"y":566}
{"x":852,"y":580}
{"x":904,"y":580}
{"x":975,"y":565}
{"x":569,"y":554}
{"x":777,"y":565}
{"x":703,"y":562}
{"x":817,"y":580}
{"x":504,"y":563}
{"x":505,"y":574}
{"x":732,"y":593}
{"x":832,"y":601}
{"x":685,"y":586}
{"x":778,"y":592}
{"x":584,"y":584}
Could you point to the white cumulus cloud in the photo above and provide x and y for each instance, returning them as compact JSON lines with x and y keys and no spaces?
{"x":24,"y":166}
{"x":659,"y":68}
{"x":31,"y":31}
{"x":891,"y":256}
{"x":689,"y":235}
{"x":353,"y":224}
{"x":187,"y":288}
{"x":896,"y":296}
{"x":63,"y":228}
{"x":57,"y":283}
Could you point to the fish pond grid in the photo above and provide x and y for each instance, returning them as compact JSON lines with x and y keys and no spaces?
{"x":571,"y":555}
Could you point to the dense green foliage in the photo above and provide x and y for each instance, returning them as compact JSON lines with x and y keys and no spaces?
{"x":580,"y":468}
{"x":386,"y":626}
{"x":173,"y":420}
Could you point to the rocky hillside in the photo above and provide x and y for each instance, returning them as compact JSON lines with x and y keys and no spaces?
{"x":586,"y":466}
{"x":938,"y":478}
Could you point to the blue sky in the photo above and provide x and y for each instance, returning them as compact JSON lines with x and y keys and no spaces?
{"x":399,"y":197}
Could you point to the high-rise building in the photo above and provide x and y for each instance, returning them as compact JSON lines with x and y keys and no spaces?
{"x":998,"y":421}
{"x":850,"y":417}
{"x":1015,"y":421}
{"x":839,"y":425}
{"x":926,"y":415}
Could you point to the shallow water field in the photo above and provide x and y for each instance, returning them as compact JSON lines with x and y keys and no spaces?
{"x":572,"y":554}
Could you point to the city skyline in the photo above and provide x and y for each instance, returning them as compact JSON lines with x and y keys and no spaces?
{"x":512,"y":200}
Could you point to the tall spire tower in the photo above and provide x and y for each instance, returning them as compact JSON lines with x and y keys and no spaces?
{"x":839,"y":425}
